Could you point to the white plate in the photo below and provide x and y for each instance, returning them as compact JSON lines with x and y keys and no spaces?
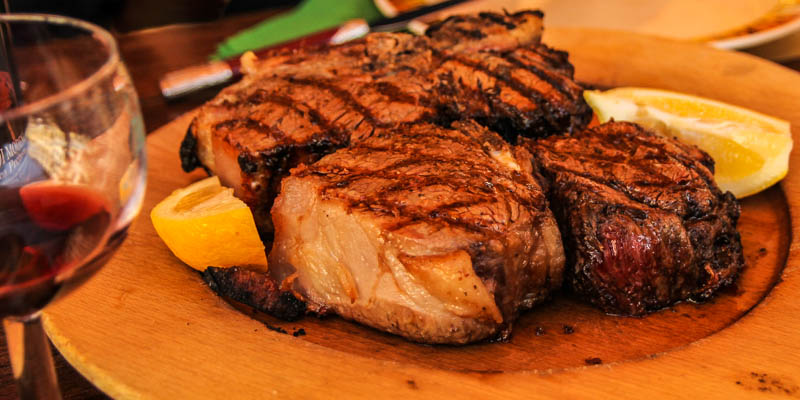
{"x":760,"y":37}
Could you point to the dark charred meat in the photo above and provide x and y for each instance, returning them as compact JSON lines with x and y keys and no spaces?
{"x":293,"y":108}
{"x":526,"y":91}
{"x":256,"y":289}
{"x":486,"y":31}
{"x":643,"y":222}
{"x":438,"y":235}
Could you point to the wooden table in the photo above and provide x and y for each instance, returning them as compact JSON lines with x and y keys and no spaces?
{"x":149,"y":54}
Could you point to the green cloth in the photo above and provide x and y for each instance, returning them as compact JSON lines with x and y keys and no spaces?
{"x":309,"y":17}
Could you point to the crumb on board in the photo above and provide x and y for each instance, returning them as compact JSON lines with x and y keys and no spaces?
{"x":593,"y":361}
{"x":277,"y":329}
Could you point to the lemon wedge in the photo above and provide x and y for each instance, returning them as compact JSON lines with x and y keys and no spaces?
{"x":204,"y":225}
{"x":750,"y":149}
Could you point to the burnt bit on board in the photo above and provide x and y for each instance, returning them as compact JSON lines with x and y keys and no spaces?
{"x":593,"y":361}
{"x":766,"y":383}
{"x":568,"y":329}
{"x":256,"y":289}
{"x":276,"y":329}
{"x":299,"y":332}
{"x":539,"y":331}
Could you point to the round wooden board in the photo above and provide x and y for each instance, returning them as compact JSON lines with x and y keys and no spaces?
{"x":147,"y":326}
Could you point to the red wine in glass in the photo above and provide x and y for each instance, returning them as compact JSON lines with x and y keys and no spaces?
{"x":72,"y":174}
{"x":49,"y":235}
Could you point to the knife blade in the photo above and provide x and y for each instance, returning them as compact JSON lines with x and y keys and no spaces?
{"x":181,"y":82}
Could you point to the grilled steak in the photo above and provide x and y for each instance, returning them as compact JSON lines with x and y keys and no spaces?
{"x":295,"y":107}
{"x":643,"y":223}
{"x":526,"y":91}
{"x":438,"y":235}
{"x":398,"y":217}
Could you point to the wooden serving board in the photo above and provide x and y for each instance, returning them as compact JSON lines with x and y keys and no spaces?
{"x":147,"y":327}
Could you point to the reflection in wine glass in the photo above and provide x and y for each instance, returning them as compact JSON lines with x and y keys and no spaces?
{"x":72,"y":173}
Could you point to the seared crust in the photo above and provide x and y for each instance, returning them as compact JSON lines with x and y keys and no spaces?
{"x":641,"y":217}
{"x":429,"y":192}
{"x":528,"y":91}
{"x":486,"y":31}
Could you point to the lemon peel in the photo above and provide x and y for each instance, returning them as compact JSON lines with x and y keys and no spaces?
{"x":204,"y":225}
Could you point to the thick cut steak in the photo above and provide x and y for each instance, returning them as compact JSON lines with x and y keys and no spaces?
{"x":643,"y":223}
{"x":439,"y":235}
{"x":295,"y":107}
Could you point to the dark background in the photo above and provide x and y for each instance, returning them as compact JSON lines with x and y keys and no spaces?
{"x":128,"y":15}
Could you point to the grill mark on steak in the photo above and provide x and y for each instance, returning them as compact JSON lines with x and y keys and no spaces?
{"x":456,"y":181}
{"x":396,"y":94}
{"x":470,"y":33}
{"x":448,"y":181}
{"x":484,"y":99}
{"x":313,"y":115}
{"x":555,"y":81}
{"x":532,"y":95}
{"x":348,"y":105}
{"x":493,"y":18}
{"x":440,"y":215}
{"x":342,"y":94}
{"x":498,"y":19}
{"x":546,"y":57}
{"x":431,"y":181}
{"x":249,"y":123}
{"x":391,"y":93}
{"x":505,"y":77}
{"x":656,"y":175}
{"x":688,"y":162}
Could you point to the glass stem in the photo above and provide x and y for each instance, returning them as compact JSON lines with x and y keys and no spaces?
{"x":31,"y":361}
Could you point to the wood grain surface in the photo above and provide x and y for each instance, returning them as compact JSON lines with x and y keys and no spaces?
{"x":147,"y":327}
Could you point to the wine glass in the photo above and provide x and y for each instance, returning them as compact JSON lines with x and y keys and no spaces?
{"x":72,"y":173}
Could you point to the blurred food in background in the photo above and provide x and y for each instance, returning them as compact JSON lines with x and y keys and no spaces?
{"x":709,"y":20}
